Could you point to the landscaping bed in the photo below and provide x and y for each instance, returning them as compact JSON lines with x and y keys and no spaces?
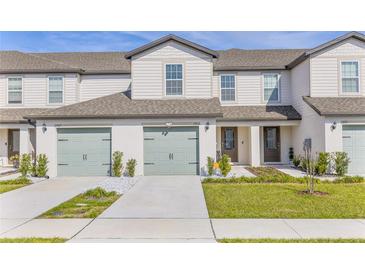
{"x":268,"y":240}
{"x":12,"y":184}
{"x":32,"y":240}
{"x":89,"y":204}
{"x":284,"y":200}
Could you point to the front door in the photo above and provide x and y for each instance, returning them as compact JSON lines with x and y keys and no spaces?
{"x":13,"y":142}
{"x":272,"y":144}
{"x":229,"y":142}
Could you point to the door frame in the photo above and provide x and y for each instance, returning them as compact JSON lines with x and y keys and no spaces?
{"x":278,"y":137}
{"x":234,"y":156}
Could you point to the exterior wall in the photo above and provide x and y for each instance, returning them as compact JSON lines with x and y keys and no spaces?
{"x":3,"y":147}
{"x":93,"y":86}
{"x":249,"y":88}
{"x":127,"y":136}
{"x":148,"y":72}
{"x":325,"y":68}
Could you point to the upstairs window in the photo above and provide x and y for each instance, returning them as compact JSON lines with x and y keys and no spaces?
{"x":55,"y":89}
{"x":15,"y":90}
{"x":228,"y":88}
{"x":271,"y":88}
{"x":350,"y":76}
{"x":174,"y":79}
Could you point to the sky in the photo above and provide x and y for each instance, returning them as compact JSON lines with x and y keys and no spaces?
{"x":124,"y":41}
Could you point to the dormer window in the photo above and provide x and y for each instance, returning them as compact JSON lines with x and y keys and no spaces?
{"x":350,"y":76}
{"x":174,"y":79}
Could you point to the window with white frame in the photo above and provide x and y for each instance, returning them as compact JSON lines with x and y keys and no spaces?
{"x":228,"y":88}
{"x":15,"y":90}
{"x":174,"y":79}
{"x":271,"y":87}
{"x":55,"y":89}
{"x":350,"y":76}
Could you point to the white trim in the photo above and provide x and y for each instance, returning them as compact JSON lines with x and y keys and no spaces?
{"x":7,"y":90}
{"x":358,"y":78}
{"x":279,"y":87}
{"x":235,"y":88}
{"x":182,"y":80}
{"x":63,"y":90}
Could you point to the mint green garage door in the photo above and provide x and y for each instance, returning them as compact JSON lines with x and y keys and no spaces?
{"x":83,"y":151}
{"x":171,"y":151}
{"x":353,"y":137}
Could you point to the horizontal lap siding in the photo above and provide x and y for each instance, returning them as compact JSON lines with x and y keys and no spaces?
{"x":93,"y":86}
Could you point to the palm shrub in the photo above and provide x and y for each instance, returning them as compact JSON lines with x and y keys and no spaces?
{"x":341,"y":161}
{"x":322,"y":163}
{"x":117,"y":163}
{"x":225,"y":165}
{"x":210,"y":166}
{"x":131,"y":167}
{"x":25,"y":164}
{"x":296,"y":160}
{"x":42,"y":165}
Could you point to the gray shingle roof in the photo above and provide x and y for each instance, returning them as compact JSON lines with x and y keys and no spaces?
{"x":92,"y":62}
{"x":259,"y":113}
{"x":119,"y":105}
{"x":238,"y":59}
{"x":15,"y":115}
{"x":330,"y":106}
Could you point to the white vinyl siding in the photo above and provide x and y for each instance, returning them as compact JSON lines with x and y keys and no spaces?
{"x":55,"y":89}
{"x":350,"y":80}
{"x":174,"y":79}
{"x":228,"y":87}
{"x":271,"y":87}
{"x":15,"y":90}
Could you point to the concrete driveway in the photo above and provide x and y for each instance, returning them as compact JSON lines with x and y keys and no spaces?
{"x":162,"y":197}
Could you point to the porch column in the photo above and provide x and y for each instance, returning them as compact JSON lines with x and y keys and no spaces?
{"x":255,"y":145}
{"x":23,"y":141}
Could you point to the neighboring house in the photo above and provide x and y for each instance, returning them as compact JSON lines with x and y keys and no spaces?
{"x":172,"y":103}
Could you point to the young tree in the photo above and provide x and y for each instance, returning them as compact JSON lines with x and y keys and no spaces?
{"x":310,"y":164}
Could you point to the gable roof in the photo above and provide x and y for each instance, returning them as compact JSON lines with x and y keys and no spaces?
{"x":332,"y":106}
{"x":306,"y":54}
{"x":119,"y":105}
{"x":174,"y":38}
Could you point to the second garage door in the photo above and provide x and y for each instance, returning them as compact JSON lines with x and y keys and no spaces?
{"x":171,"y":151}
{"x":83,"y":151}
{"x":354,"y":145}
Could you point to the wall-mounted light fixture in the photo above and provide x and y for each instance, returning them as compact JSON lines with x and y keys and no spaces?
{"x":333,"y":126}
{"x":169,"y":124}
{"x":44,"y":128}
{"x":206,"y":126}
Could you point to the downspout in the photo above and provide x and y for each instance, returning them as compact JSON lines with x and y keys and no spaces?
{"x":33,"y":123}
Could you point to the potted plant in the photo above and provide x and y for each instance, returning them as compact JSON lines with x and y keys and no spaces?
{"x":15,"y":160}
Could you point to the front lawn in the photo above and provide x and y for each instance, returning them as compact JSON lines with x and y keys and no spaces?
{"x":32,"y":240}
{"x":9,"y":185}
{"x":277,"y":200}
{"x":89,"y":204}
{"x":268,"y":240}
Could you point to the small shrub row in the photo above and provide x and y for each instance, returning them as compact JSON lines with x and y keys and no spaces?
{"x":39,"y":168}
{"x":223,"y":165}
{"x":118,"y":165}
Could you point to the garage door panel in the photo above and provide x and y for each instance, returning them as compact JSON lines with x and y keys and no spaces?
{"x":354,"y":146}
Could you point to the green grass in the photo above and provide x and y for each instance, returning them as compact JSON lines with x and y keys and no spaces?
{"x":32,"y":240}
{"x":89,"y":204}
{"x":277,"y":200}
{"x":268,"y":240}
{"x":9,"y":185}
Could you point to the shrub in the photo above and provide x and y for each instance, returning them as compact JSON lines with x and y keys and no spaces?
{"x":303,"y":163}
{"x":117,"y":163}
{"x":131,"y":167}
{"x":259,"y":179}
{"x":15,"y":160}
{"x":341,"y":161}
{"x":98,"y":193}
{"x":349,"y":180}
{"x":42,"y":165}
{"x":210,"y":166}
{"x":25,"y":164}
{"x":322,"y":164}
{"x":296,"y":160}
{"x":224,"y":165}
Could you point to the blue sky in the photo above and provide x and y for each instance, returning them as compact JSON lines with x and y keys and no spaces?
{"x":124,"y":41}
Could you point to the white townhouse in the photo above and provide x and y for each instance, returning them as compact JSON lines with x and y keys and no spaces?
{"x":172,"y":103}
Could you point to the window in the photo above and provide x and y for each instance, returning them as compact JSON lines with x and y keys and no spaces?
{"x":15,"y":90}
{"x":350,"y":76}
{"x":174,"y":79}
{"x":55,"y":89}
{"x":228,"y":88}
{"x":271,"y":88}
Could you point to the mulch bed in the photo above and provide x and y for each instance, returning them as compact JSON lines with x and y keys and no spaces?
{"x":315,"y":193}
